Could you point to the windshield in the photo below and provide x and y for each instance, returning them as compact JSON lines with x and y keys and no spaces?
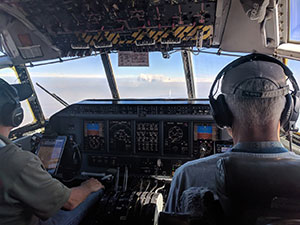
{"x":164,"y":78}
{"x":85,"y":78}
{"x":206,"y":67}
{"x":72,"y":81}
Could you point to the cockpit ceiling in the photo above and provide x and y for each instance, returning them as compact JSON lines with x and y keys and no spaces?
{"x":79,"y":27}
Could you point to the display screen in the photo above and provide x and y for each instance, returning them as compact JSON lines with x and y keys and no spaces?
{"x":94,"y":135}
{"x":204,"y":132}
{"x":223,"y":147}
{"x":93,"y":129}
{"x":50,"y":152}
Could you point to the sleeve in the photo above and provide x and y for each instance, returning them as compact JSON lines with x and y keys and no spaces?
{"x":176,"y":189}
{"x":36,"y":189}
{"x":196,"y":173}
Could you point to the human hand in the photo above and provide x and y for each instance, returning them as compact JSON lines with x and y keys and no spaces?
{"x":92,"y":184}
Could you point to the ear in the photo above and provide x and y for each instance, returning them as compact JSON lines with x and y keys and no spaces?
{"x":287,"y":112}
{"x":223,"y":116}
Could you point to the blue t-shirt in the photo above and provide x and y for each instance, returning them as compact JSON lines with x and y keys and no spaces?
{"x":270,"y":147}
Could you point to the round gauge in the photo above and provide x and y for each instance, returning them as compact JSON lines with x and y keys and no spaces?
{"x":122,"y":135}
{"x":94,"y":142}
{"x":205,"y":149}
{"x":175,"y":134}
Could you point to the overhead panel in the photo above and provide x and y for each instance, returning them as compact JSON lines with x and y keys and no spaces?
{"x":147,"y":39}
{"x":80,"y":27}
{"x":241,"y":34}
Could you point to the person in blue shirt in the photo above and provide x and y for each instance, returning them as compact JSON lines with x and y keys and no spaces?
{"x":255,"y":93}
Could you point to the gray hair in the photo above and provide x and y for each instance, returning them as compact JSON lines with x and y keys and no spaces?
{"x":253,"y":112}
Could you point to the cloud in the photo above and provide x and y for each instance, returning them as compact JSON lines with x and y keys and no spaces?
{"x":73,"y":88}
{"x":140,"y":78}
{"x":167,"y":79}
{"x":9,"y":73}
{"x":204,"y":79}
{"x":58,"y":75}
{"x":144,"y":86}
{"x":157,"y":78}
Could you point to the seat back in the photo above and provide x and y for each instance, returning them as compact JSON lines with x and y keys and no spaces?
{"x":250,"y":187}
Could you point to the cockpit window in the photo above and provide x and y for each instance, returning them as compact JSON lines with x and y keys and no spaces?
{"x":72,"y":81}
{"x":164,"y":78}
{"x":9,"y":76}
{"x":294,"y":65}
{"x":294,"y":21}
{"x":206,"y":68}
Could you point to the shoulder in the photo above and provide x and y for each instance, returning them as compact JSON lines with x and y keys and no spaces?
{"x":197,"y":172}
{"x":291,"y":155}
{"x":199,"y":164}
{"x":281,"y":155}
{"x":13,"y":162}
{"x":15,"y":159}
{"x":19,"y":154}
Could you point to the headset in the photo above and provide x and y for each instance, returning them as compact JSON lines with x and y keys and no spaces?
{"x":11,"y":112}
{"x":221,"y":111}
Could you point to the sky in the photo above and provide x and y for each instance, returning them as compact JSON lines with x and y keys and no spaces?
{"x":295,"y":20}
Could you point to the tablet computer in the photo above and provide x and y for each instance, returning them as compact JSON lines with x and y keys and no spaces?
{"x":50,"y":152}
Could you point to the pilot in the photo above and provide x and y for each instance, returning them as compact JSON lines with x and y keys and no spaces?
{"x":28,"y":194}
{"x":254,"y":94}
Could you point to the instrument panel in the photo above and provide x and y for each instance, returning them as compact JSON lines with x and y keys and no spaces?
{"x":150,"y":137}
{"x":120,"y":137}
{"x":147,"y":137}
{"x":176,"y":138}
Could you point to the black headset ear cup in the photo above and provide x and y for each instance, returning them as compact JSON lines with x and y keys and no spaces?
{"x":287,"y":112}
{"x":6,"y":114}
{"x":221,"y":112}
{"x":17,"y":116}
{"x":296,"y":108}
{"x":12,"y":115}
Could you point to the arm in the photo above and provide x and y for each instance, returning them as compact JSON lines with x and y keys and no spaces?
{"x":80,"y":193}
{"x":175,"y":193}
{"x":35,"y":189}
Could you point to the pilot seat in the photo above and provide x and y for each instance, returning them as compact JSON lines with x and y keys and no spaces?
{"x":251,"y":192}
{"x":260,"y":191}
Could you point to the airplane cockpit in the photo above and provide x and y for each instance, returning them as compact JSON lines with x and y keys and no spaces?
{"x":134,"y":145}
